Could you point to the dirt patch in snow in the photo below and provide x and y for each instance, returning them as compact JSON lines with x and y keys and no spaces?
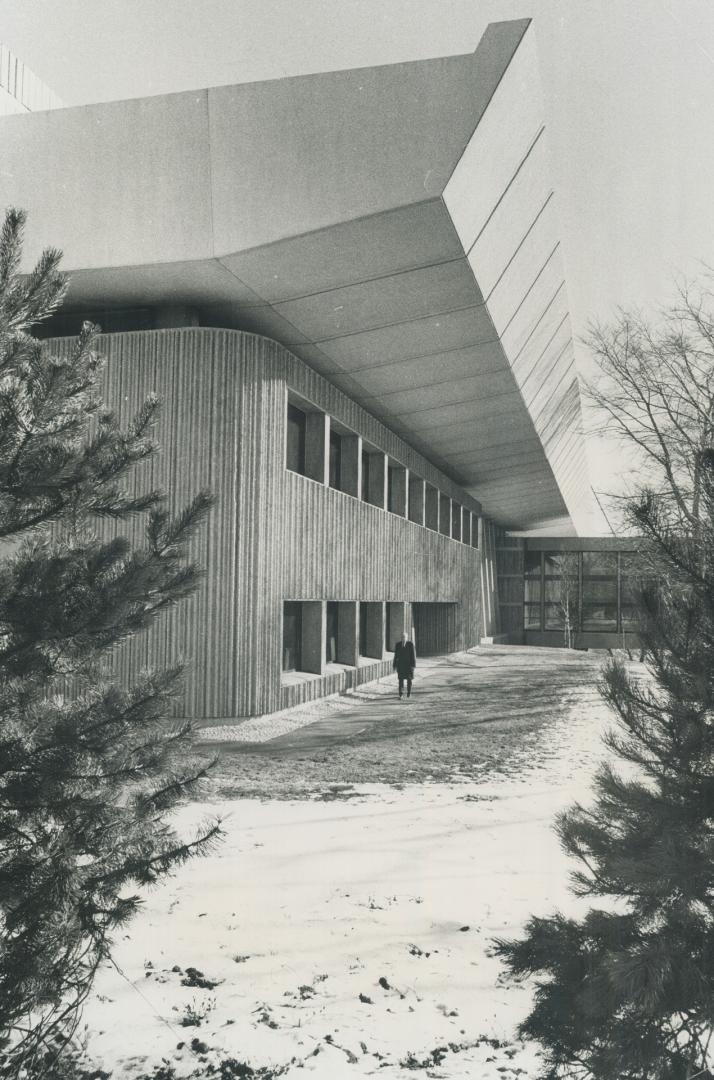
{"x":475,"y":714}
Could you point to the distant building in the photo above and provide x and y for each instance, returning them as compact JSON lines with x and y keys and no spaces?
{"x":20,"y":89}
{"x":348,"y":289}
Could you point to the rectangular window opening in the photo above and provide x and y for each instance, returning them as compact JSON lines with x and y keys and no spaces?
{"x":455,"y":521}
{"x":431,"y":507}
{"x":444,"y":514}
{"x":397,"y":490}
{"x":295,"y":443}
{"x":335,"y":460}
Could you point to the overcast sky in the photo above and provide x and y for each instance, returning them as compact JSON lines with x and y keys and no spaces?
{"x":629,"y":90}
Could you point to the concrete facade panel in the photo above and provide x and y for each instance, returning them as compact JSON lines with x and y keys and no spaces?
{"x":550,"y":385}
{"x":349,"y":252}
{"x":497,"y":147}
{"x":479,"y":387}
{"x":500,"y":411}
{"x":528,"y":492}
{"x":254,"y":319}
{"x":394,"y":135}
{"x":550,"y":322}
{"x":489,"y":461}
{"x":424,"y":370}
{"x":540,"y":245}
{"x":528,"y":468}
{"x":560,"y":343}
{"x":194,"y":283}
{"x":123,"y":175}
{"x":406,"y":340}
{"x":533,"y":304}
{"x":400,"y":297}
{"x":516,"y":213}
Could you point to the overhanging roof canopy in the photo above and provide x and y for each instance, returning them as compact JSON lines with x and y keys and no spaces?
{"x":393,"y":226}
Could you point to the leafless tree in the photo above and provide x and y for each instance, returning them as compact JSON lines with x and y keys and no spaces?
{"x":655,"y":389}
{"x":624,"y":989}
{"x":569,"y":598}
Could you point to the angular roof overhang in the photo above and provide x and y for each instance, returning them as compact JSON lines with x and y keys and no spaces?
{"x":393,"y":226}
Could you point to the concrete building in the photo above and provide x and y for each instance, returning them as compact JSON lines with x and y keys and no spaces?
{"x":348,"y":289}
{"x":20,"y":89}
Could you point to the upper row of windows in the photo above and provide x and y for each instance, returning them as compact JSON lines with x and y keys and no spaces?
{"x":373,"y":478}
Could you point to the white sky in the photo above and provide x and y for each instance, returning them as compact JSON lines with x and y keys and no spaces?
{"x":629,"y":90}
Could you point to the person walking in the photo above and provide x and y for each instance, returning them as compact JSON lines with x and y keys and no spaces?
{"x":404,"y":663}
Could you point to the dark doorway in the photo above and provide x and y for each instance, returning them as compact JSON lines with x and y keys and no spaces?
{"x":331,"y":641}
{"x":435,"y":628}
{"x":292,"y":635}
{"x":362,"y":629}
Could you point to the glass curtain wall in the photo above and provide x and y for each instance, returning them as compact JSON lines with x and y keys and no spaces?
{"x":593,"y":590}
{"x":600,"y":590}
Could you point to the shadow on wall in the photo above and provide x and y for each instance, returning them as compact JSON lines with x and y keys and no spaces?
{"x":435,"y":628}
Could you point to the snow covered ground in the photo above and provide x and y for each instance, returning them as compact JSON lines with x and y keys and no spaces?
{"x":352,"y":935}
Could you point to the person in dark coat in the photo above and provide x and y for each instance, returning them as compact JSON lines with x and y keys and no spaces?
{"x":404,"y":663}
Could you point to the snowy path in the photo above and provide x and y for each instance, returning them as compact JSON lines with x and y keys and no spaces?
{"x":486,"y":711}
{"x":354,"y":935}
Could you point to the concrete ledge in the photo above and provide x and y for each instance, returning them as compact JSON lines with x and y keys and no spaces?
{"x":336,"y":681}
{"x":369,"y":687}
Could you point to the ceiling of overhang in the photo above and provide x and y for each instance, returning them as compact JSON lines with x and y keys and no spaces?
{"x":400,"y":237}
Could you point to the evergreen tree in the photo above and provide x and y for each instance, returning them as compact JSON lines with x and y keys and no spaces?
{"x":89,"y":770}
{"x":626,"y":992}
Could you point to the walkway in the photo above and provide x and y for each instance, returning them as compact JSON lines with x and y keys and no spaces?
{"x":469,"y":712}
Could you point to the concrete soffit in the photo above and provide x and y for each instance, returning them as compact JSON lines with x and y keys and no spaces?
{"x":394,"y":227}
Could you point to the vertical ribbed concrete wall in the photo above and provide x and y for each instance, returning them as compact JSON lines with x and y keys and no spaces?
{"x":339,"y":548}
{"x":273,"y":534}
{"x":435,"y":627}
{"x":20,"y":89}
{"x":490,"y":609}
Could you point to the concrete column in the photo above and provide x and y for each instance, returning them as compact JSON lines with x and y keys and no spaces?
{"x":397,"y":623}
{"x":397,"y":490}
{"x":317,"y":447}
{"x":479,"y":535}
{"x":373,"y":646}
{"x":377,"y":480}
{"x":348,"y":633}
{"x":313,"y":637}
{"x":444,"y":514}
{"x":351,"y":471}
{"x":431,"y":507}
{"x":416,"y":499}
